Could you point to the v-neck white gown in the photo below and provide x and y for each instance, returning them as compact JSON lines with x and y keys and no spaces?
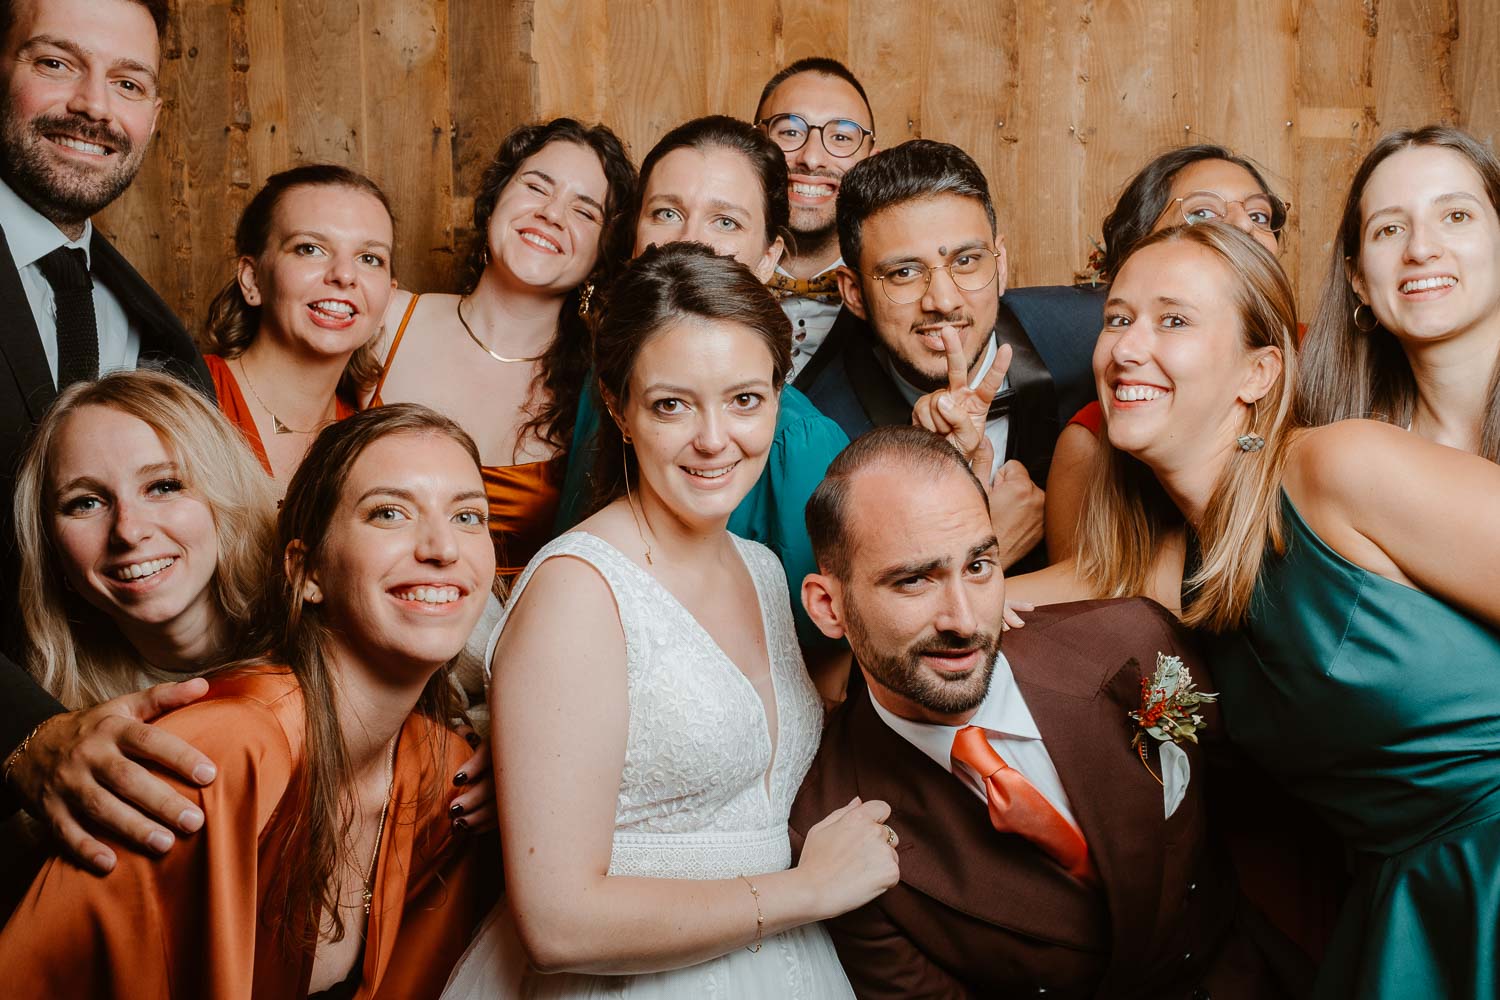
{"x":694,"y":801}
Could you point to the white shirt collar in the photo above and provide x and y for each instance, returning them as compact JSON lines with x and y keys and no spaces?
{"x":1003,"y":712}
{"x":30,"y":234}
{"x":831,"y":267}
{"x":911,"y":393}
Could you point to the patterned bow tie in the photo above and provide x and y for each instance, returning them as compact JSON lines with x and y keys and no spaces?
{"x":824,"y":288}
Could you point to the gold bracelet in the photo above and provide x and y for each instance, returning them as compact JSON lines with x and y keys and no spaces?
{"x":15,"y":755}
{"x":760,"y":918}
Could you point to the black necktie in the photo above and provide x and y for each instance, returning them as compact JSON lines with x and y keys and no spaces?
{"x":67,"y":271}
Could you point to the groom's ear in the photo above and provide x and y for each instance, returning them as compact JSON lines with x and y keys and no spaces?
{"x":824,"y":600}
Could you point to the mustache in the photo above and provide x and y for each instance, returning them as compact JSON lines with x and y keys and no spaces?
{"x":935,"y":320}
{"x":80,"y":127}
{"x":953,"y":642}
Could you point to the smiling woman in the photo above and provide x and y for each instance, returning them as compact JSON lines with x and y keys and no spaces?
{"x":1408,"y":328}
{"x":326,"y":846}
{"x":295,"y":326}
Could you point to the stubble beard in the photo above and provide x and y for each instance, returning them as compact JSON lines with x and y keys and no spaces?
{"x":66,"y":196}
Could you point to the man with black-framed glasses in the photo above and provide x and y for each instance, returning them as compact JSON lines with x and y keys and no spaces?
{"x":923,"y":275}
{"x":817,"y":112}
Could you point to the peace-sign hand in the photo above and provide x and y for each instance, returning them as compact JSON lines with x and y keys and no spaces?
{"x":958,"y":412}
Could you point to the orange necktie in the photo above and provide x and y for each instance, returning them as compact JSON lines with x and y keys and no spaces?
{"x":1017,"y":807}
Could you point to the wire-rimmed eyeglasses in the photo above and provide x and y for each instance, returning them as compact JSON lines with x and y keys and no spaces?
{"x":971,"y":270}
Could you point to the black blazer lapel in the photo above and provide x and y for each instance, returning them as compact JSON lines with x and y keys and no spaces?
{"x":950,"y":852}
{"x":1118,"y":805}
{"x":165,"y":343}
{"x":1031,"y":399}
{"x":873,"y":386}
{"x":846,"y":327}
{"x":20,"y":340}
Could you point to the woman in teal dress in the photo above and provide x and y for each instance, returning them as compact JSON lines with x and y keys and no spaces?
{"x":1347,"y":578}
{"x":719,"y":181}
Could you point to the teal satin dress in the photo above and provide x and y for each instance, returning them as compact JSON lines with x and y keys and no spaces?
{"x":1380,"y":706}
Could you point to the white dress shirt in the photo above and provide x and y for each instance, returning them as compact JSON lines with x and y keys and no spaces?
{"x":997,"y":430}
{"x":1010,"y":729}
{"x":811,"y":321}
{"x":31,"y":236}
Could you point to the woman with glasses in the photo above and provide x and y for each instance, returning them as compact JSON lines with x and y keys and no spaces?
{"x":1182,"y":186}
{"x":720,"y":182}
{"x":1408,"y":329}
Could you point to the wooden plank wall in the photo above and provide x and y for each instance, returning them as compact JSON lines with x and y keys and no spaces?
{"x":1059,"y":101}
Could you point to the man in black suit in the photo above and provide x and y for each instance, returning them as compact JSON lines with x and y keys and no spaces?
{"x":77,"y":113}
{"x":922,"y":251}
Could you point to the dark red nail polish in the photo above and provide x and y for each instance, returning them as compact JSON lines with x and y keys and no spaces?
{"x":461,"y":778}
{"x":455,"y":810}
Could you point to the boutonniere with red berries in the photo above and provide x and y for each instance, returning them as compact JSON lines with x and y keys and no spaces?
{"x":1168,"y":703}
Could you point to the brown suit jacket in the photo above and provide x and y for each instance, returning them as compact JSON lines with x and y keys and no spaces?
{"x":983,"y":914}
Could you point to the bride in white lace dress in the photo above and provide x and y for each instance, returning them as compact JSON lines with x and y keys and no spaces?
{"x":652,"y":716}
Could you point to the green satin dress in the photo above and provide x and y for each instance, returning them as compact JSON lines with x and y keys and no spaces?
{"x":1380,"y":706}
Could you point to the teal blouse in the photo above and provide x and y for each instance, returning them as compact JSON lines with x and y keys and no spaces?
{"x":771,"y":513}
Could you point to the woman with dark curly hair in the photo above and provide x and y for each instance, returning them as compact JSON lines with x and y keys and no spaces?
{"x":507,"y":357}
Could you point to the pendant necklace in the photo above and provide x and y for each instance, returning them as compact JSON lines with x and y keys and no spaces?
{"x":277,"y":426}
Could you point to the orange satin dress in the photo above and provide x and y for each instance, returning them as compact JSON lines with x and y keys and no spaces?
{"x":189,"y":925}
{"x":523,"y":499}
{"x":233,"y":405}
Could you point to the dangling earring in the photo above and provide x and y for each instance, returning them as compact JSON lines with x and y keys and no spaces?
{"x":630,"y":501}
{"x":484,"y":257}
{"x":585,"y":297}
{"x":1251,"y":441}
{"x":1374,"y":322}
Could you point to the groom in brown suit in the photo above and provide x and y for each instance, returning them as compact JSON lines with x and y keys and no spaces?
{"x":1072,"y":872}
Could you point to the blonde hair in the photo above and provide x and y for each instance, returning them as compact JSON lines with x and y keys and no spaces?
{"x":75,"y":650}
{"x":1128,"y":515}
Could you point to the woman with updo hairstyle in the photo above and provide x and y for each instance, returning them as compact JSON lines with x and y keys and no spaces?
{"x":651,"y":708}
{"x":1408,"y":327}
{"x":1183,"y":186}
{"x":1345,"y":580}
{"x":721,"y":182}
{"x":325,"y":866}
{"x":507,"y":357}
{"x":290,"y":339}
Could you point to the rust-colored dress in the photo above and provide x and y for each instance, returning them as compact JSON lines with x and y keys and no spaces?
{"x":189,"y":925}
{"x":523,"y":498}
{"x":233,"y":405}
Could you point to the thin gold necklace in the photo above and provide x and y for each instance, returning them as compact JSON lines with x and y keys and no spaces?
{"x":459,"y":308}
{"x":277,"y":426}
{"x":367,"y":875}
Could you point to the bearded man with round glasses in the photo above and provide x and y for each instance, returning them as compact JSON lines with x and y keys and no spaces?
{"x":923,"y":275}
{"x":817,"y":112}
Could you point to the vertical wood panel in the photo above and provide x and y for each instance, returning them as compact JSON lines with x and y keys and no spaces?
{"x":406,"y":140}
{"x":492,"y":83}
{"x":1059,"y":101}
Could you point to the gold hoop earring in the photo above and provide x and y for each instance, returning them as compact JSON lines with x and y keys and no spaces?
{"x":630,"y":502}
{"x":1374,"y":321}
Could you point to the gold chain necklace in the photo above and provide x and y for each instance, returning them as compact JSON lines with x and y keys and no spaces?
{"x":277,"y":426}
{"x":459,"y":308}
{"x":367,"y":875}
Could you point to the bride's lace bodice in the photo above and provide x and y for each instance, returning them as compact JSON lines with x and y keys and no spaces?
{"x":693,"y":799}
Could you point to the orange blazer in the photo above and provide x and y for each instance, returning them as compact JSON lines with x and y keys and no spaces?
{"x":189,"y":924}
